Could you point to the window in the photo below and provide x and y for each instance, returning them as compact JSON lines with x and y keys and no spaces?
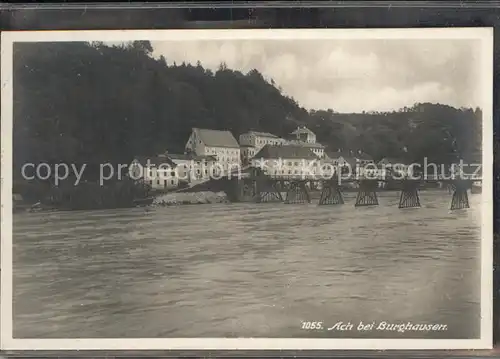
{"x":172,"y":182}
{"x":172,"y":173}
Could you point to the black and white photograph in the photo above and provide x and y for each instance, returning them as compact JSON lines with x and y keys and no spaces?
{"x":247,"y":189}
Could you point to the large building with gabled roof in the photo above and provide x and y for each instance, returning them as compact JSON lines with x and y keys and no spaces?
{"x":220,"y":144}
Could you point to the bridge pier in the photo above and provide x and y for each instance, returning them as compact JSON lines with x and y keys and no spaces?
{"x":367,"y":194}
{"x":460,"y":198}
{"x":269,"y":191}
{"x":244,"y":190}
{"x":409,"y":195}
{"x":331,"y":194}
{"x":297,"y":192}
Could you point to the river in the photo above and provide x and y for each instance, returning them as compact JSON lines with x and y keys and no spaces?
{"x":248,"y":270}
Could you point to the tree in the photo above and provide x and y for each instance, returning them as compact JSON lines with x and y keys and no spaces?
{"x":79,"y":102}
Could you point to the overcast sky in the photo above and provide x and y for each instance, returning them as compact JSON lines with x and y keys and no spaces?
{"x":349,"y":75}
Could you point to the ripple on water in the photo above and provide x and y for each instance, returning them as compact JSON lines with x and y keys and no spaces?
{"x":244,"y":269}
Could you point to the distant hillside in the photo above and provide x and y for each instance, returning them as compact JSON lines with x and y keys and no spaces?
{"x":79,"y":102}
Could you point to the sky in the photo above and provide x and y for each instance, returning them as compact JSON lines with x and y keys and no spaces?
{"x":348,"y":75}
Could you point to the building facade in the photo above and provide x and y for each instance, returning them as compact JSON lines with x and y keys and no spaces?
{"x":192,"y":168}
{"x":219,"y":144}
{"x":303,"y":134}
{"x":260,"y":139}
{"x":157,"y":171}
{"x":252,"y":142}
{"x":287,"y":161}
{"x":305,"y":137}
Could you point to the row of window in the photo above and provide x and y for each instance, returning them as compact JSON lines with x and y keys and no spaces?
{"x":290,"y":163}
{"x":268,"y":142}
{"x":158,"y":182}
{"x":152,"y":173}
{"x":229,"y":159}
{"x":226,"y":151}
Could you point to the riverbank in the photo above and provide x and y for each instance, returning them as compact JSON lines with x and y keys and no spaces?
{"x":190,"y":198}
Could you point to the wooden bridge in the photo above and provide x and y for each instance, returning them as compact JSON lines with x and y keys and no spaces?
{"x":253,"y":185}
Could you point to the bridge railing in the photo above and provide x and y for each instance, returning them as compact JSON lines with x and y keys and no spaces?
{"x":248,"y":173}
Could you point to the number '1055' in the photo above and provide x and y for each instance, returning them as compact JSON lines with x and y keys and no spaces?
{"x":312,"y":325}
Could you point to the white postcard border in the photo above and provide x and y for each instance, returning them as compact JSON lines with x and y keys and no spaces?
{"x":7,"y":342}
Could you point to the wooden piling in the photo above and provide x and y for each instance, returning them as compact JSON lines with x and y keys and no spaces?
{"x":460,"y":198}
{"x":367,"y":195}
{"x":331,"y":194}
{"x":297,"y":193}
{"x":409,"y":194}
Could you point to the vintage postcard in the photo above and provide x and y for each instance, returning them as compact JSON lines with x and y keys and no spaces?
{"x":247,"y":189}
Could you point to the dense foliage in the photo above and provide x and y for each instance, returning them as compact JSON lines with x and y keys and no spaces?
{"x":89,"y":102}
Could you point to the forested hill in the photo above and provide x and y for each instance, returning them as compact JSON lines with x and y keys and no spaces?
{"x":79,"y":102}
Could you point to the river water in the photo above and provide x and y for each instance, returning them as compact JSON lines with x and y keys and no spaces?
{"x":248,"y":270}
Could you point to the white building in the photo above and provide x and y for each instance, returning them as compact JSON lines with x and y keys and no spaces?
{"x":158,"y":172}
{"x":304,"y":134}
{"x":220,"y":144}
{"x":306,"y":138}
{"x":247,"y":153}
{"x":251,"y":142}
{"x":260,"y":139}
{"x":287,"y":160}
{"x":191,"y":168}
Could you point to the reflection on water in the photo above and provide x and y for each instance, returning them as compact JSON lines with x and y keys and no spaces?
{"x":247,"y":270}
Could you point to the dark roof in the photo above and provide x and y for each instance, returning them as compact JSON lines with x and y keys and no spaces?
{"x":348,"y":157}
{"x":189,"y":157}
{"x":155,"y":161}
{"x":216,"y":138}
{"x":336,"y":154}
{"x":286,"y":152}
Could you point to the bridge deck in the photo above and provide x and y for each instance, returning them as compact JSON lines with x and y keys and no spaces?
{"x":346,"y":179}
